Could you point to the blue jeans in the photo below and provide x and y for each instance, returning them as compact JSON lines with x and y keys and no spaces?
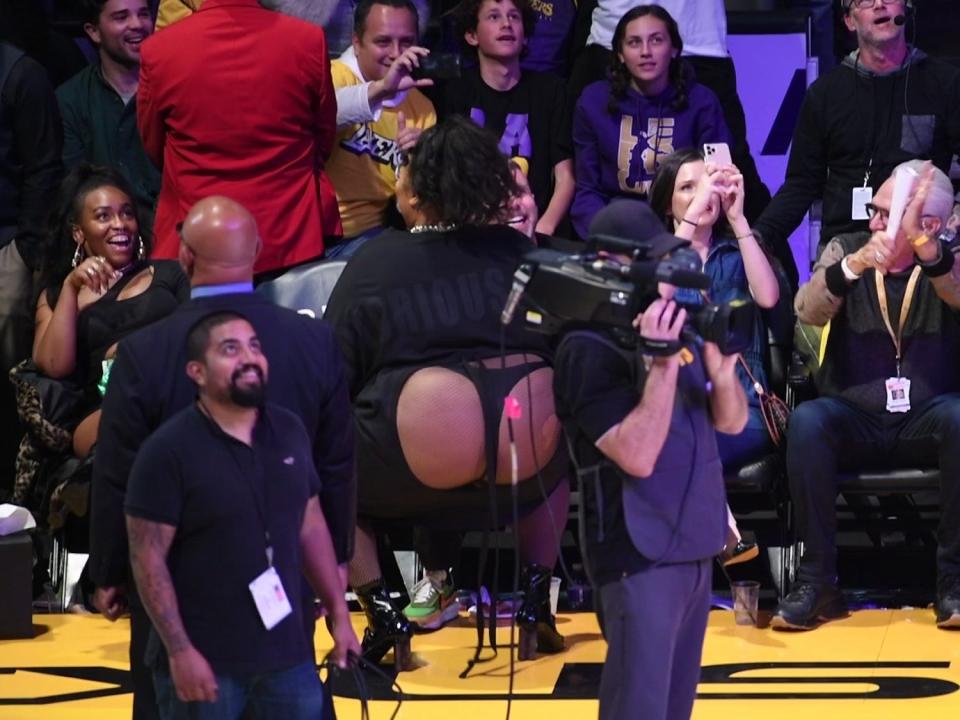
{"x":828,"y":435}
{"x":747,"y":447}
{"x":293,"y":694}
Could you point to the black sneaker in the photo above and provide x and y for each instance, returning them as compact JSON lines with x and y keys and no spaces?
{"x":807,"y":606}
{"x":948,"y":602}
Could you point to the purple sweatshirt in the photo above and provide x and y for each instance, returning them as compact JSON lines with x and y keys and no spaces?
{"x":618,"y":155}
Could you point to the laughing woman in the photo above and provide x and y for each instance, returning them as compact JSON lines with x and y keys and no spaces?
{"x":99,"y":286}
{"x":624,"y":126}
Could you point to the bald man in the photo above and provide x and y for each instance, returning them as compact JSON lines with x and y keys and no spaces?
{"x":218,"y":249}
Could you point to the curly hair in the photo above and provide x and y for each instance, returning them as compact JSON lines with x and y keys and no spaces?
{"x":620,"y":77}
{"x":59,"y":242}
{"x":664,"y":183}
{"x":458,"y":172}
{"x":466,"y":15}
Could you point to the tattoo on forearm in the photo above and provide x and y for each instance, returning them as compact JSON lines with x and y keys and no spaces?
{"x":149,"y":544}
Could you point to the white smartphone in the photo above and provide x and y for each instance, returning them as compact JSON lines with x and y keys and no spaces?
{"x":717,"y":153}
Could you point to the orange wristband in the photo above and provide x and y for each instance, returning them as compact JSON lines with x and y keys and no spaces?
{"x":920,"y":240}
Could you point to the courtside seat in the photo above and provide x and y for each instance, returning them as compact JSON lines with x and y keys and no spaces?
{"x":305,"y":288}
{"x":757,"y":491}
{"x":883,"y":482}
{"x":872,"y":482}
{"x":875,"y":501}
{"x":766,"y":474}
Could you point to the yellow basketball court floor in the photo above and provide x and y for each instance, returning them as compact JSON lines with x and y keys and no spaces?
{"x":874,"y":665}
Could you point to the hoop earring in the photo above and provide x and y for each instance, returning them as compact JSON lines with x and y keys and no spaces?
{"x":140,"y":248}
{"x":77,"y":256}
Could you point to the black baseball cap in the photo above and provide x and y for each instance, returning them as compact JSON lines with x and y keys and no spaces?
{"x":635,"y":224}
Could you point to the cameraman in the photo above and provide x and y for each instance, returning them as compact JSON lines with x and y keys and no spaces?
{"x":654,"y":506}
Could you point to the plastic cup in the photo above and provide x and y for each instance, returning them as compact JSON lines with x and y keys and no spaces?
{"x":746,"y":597}
{"x":554,"y":594}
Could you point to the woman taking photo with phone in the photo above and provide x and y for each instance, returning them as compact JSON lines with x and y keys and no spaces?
{"x":703,"y":202}
{"x":624,"y":126}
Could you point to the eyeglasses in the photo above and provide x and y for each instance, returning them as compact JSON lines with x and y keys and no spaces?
{"x":873,"y":211}
{"x":861,"y":4}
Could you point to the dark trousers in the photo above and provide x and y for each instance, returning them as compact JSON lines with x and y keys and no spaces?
{"x":16,"y":336}
{"x":829,"y":434}
{"x":144,"y":696}
{"x":654,"y":622}
{"x":746,"y":447}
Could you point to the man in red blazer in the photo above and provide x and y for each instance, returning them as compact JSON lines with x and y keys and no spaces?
{"x":237,"y":100}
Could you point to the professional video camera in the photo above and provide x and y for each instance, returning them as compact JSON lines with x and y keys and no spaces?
{"x":615,"y":278}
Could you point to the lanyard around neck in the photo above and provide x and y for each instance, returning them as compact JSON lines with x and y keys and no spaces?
{"x":897,"y":337}
{"x":261,"y":503}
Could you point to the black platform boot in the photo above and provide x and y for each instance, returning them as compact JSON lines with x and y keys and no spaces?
{"x":387,"y":627}
{"x":538,"y":627}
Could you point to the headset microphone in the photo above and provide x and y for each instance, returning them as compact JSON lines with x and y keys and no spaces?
{"x":899,"y":20}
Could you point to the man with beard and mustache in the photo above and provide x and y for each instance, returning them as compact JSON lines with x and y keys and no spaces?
{"x":223,"y":497}
{"x":99,"y":104}
{"x":219,"y":245}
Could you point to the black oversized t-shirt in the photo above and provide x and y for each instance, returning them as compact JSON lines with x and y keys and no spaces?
{"x":222,"y":496}
{"x":431,"y":298}
{"x":531,"y":120}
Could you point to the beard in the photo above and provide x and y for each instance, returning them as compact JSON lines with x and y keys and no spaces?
{"x":248,"y":396}
{"x":119,"y":54}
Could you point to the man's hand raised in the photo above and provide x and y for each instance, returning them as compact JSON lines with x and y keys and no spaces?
{"x":917,"y":227}
{"x":400,"y":76}
{"x":878,"y":252}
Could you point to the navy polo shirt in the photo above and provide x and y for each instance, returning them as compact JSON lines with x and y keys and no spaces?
{"x":223,"y":496}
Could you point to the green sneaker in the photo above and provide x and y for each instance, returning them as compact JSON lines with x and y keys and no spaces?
{"x":432,"y":607}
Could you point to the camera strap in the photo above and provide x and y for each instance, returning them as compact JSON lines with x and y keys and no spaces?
{"x":659,"y":348}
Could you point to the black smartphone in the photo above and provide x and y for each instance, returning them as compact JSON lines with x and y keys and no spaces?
{"x":438,"y":66}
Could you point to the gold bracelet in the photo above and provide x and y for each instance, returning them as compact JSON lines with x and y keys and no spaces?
{"x":920,"y":240}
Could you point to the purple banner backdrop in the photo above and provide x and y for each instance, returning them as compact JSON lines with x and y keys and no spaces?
{"x":771,"y":77}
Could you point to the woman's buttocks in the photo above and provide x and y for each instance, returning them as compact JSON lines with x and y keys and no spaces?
{"x":441,"y":424}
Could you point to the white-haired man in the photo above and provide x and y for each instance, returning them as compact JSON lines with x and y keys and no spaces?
{"x":889,"y":386}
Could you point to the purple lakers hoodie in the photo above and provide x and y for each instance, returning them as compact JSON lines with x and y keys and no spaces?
{"x":618,"y":155}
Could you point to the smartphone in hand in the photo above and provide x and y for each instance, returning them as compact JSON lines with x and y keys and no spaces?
{"x":717,"y":153}
{"x":438,"y":66}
